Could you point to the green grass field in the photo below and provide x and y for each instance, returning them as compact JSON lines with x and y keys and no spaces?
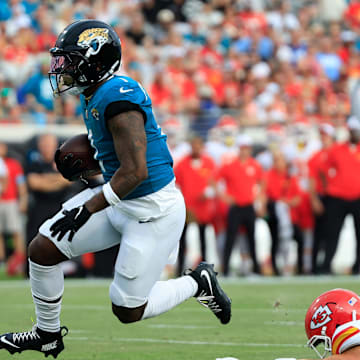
{"x":258,"y":330}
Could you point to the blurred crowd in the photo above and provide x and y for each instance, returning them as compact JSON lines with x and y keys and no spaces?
{"x":255,"y":97}
{"x":262,"y":61}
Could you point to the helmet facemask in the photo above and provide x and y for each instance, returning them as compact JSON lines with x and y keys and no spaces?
{"x":75,"y":72}
{"x":322,"y":339}
{"x":65,"y":73}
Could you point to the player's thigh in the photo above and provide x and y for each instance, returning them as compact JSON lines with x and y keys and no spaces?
{"x":95,"y":235}
{"x":144,"y":252}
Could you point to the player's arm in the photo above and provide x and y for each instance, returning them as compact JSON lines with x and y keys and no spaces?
{"x":129,"y":137}
{"x":316,"y":203}
{"x":3,"y":183}
{"x":46,"y":182}
{"x":23,"y":196}
{"x":260,"y":199}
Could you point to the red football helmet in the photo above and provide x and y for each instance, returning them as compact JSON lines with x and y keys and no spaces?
{"x":328,"y":311}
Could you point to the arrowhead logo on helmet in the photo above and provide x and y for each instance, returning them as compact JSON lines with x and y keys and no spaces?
{"x":321,"y":317}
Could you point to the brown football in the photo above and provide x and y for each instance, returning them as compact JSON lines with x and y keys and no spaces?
{"x":78,"y":151}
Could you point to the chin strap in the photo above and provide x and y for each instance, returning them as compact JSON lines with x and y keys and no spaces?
{"x":77,"y":90}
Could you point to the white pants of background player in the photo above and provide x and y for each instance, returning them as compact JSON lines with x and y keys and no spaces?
{"x":148,"y":230}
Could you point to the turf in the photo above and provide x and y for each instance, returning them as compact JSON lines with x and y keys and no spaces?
{"x":267,"y":322}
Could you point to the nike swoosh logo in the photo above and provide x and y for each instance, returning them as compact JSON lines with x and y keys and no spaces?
{"x":78,"y":213}
{"x":206,"y":275}
{"x":3,"y":340}
{"x":123,"y":91}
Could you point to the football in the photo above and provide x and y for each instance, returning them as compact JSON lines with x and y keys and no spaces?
{"x":75,"y":158}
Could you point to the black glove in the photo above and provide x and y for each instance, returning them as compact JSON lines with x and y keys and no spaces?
{"x":72,"y":221}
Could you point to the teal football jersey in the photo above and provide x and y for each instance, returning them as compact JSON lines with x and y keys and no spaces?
{"x":158,"y":158}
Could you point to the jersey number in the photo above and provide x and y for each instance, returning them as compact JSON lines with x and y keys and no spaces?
{"x":92,"y":143}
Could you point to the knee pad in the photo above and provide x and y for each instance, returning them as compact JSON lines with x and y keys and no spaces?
{"x":117,"y":296}
{"x":123,"y":293}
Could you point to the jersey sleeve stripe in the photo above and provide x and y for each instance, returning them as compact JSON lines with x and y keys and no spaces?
{"x":342,"y":337}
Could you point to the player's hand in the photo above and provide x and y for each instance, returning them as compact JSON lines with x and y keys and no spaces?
{"x":72,"y":221}
{"x":317,"y":206}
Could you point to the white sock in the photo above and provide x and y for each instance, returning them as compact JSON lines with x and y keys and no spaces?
{"x":47,"y":287}
{"x":167,"y":294}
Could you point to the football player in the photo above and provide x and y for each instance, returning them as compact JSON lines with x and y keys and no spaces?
{"x":333,"y":320}
{"x":136,"y":207}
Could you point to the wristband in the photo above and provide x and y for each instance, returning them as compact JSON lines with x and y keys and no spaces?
{"x":110,"y":195}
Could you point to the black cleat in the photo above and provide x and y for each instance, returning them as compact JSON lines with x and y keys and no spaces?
{"x":210,"y":294}
{"x":36,"y":339}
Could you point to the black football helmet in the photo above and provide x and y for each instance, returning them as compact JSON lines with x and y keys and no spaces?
{"x":86,"y":52}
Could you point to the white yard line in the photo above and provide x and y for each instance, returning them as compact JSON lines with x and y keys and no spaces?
{"x":75,"y":331}
{"x":183,"y":342}
{"x":170,"y":326}
{"x":284,"y":323}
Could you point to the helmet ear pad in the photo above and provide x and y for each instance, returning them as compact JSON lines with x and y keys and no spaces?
{"x":94,"y":68}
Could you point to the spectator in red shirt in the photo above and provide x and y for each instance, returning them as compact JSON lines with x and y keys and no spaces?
{"x":343,"y":191}
{"x":317,"y":189}
{"x":13,"y":203}
{"x":352,"y":14}
{"x":241,"y":176}
{"x":195,"y":177}
{"x":46,"y":38}
{"x":284,"y":196}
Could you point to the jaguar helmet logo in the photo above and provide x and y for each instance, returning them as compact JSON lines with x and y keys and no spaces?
{"x":93,"y":39}
{"x":95,"y":114}
{"x":321,"y":317}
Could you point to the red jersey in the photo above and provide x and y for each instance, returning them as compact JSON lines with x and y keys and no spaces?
{"x":281,"y":186}
{"x":318,"y":169}
{"x":253,"y":20}
{"x":352,"y":14}
{"x":305,"y":216}
{"x":240,"y":178}
{"x":193,"y":176}
{"x":15,"y":177}
{"x":343,"y":171}
{"x":159,"y":94}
